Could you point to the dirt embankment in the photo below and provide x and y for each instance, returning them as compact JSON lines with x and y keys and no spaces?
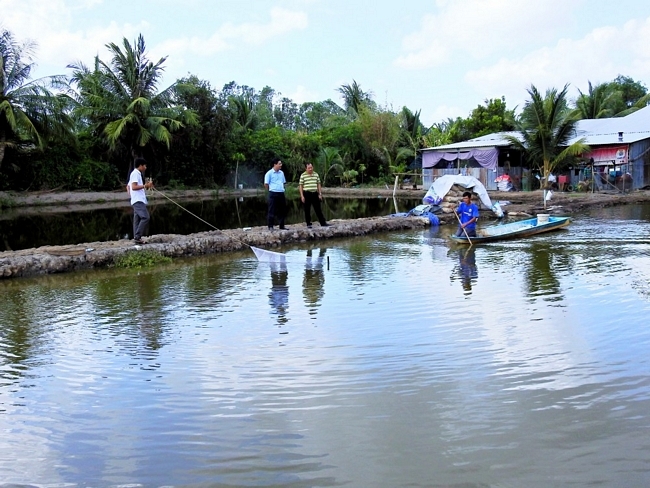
{"x":57,"y":259}
{"x":526,"y":202}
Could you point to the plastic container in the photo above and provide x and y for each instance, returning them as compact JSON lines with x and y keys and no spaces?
{"x":542,"y":218}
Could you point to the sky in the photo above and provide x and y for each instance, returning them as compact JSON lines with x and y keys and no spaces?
{"x":442,"y":57}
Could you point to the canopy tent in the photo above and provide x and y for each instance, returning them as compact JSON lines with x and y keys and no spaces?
{"x":442,"y":185}
{"x":486,"y":157}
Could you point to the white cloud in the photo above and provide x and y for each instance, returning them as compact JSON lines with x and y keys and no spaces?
{"x":466,"y":30}
{"x":49,"y":24}
{"x":230,"y":35}
{"x":302,"y":95}
{"x":600,"y":56}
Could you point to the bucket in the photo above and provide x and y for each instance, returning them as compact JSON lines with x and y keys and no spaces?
{"x":542,"y":218}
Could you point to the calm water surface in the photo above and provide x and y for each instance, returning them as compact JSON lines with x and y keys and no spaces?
{"x":391,"y":360}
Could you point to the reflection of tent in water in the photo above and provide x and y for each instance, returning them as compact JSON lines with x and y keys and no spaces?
{"x":441,"y":187}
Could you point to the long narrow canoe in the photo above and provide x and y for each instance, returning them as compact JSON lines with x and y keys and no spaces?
{"x":514,"y":230}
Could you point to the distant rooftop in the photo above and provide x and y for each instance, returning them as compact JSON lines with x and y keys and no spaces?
{"x":635,"y":127}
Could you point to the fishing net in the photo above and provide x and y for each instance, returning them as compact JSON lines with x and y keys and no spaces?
{"x":265,"y":256}
{"x":262,"y":255}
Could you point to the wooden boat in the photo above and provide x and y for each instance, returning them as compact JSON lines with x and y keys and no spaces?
{"x":515,"y":230}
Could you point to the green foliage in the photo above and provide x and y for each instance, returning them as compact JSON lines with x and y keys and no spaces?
{"x":355,"y":98}
{"x":484,"y":119}
{"x":328,"y":164}
{"x":599,"y":102}
{"x":6,"y":201}
{"x":29,"y":113}
{"x":141,"y":259}
{"x":616,"y":98}
{"x":349,"y":177}
{"x":196,"y":136}
{"x":547,"y":124}
{"x":199,"y":155}
{"x":120,"y":102}
{"x":630,"y":91}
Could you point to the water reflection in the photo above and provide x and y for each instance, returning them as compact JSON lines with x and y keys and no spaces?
{"x":541,"y":274}
{"x":279,"y":295}
{"x":404,"y":382}
{"x":313,"y":282}
{"x":466,"y":271}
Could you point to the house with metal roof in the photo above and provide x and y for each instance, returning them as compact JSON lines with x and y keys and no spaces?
{"x":619,"y":157}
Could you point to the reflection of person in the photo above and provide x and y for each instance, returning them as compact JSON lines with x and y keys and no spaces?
{"x":311,"y":195}
{"x":139,"y":199}
{"x":274,"y":182}
{"x":279,"y":296}
{"x":468,"y":214}
{"x":313,"y":281}
{"x":467,"y":267}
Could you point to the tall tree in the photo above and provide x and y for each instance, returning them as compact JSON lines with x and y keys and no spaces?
{"x":199,"y":150}
{"x":547,"y":125}
{"x":491,"y":117}
{"x":599,"y":102}
{"x":121,"y":102}
{"x":328,"y":160}
{"x":354,"y":97}
{"x":631,"y":90}
{"x":29,"y":112}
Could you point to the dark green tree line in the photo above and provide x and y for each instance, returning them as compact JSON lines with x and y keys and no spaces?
{"x":83,"y":131}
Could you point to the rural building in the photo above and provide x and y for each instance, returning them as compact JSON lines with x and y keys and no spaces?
{"x":619,"y":157}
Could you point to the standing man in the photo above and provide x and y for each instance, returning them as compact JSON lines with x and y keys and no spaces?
{"x":139,"y":199}
{"x":468,"y":215}
{"x":310,"y":194}
{"x":274,"y":182}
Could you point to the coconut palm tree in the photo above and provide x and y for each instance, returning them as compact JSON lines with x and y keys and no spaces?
{"x":120,"y":100}
{"x":29,"y":112}
{"x":329,"y":159}
{"x":243,"y":108}
{"x":354,"y":97}
{"x":597,"y":103}
{"x":547,"y":125}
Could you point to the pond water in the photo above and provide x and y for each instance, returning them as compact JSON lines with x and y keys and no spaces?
{"x":389,"y":360}
{"x":35,"y":227}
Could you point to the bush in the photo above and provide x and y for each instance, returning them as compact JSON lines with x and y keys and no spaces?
{"x":141,"y":259}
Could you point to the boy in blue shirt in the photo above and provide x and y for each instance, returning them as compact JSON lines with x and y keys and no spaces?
{"x":468,"y":214}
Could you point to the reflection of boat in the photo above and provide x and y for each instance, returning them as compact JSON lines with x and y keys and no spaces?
{"x":514,"y":230}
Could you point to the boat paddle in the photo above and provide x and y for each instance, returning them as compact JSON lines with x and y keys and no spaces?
{"x":464,"y":230}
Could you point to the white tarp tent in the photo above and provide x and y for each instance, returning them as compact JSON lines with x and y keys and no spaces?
{"x":442,"y":185}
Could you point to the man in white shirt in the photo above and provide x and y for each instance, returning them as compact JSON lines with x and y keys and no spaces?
{"x":274,"y":182}
{"x":139,"y":199}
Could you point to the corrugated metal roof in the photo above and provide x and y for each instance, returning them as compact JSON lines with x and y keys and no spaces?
{"x":635,"y":127}
{"x":490,"y":140}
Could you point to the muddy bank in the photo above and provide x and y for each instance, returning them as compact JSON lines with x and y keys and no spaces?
{"x":60,"y":259}
{"x":519,"y":201}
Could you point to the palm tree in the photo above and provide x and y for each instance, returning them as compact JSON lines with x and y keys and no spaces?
{"x":329,"y":159}
{"x":29,"y":112}
{"x":597,"y":103}
{"x":547,"y":125}
{"x":354,"y":97}
{"x":120,"y":101}
{"x":243,"y":108}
